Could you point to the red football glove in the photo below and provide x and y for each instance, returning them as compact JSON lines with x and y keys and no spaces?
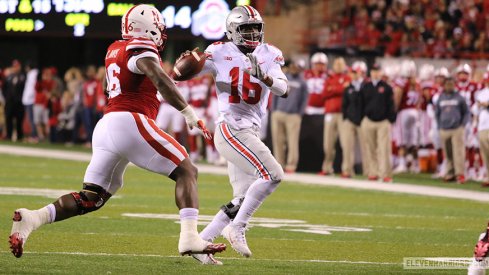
{"x":207,"y":134}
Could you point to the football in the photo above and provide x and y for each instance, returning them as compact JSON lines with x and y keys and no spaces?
{"x":188,"y":66}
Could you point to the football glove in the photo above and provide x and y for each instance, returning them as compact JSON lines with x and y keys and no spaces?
{"x":256,"y":70}
{"x":193,"y":121}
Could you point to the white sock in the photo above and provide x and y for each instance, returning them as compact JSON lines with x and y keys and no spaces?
{"x":214,"y":229}
{"x":254,"y":197}
{"x":47,"y":214}
{"x":188,"y":219}
{"x":477,"y":268}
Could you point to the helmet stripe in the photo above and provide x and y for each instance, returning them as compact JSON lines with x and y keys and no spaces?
{"x":250,"y":11}
{"x":126,"y":19}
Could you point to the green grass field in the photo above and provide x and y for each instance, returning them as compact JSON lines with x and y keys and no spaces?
{"x":376,"y":229}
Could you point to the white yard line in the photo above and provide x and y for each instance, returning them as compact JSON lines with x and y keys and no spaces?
{"x":222,"y":258}
{"x":297,"y":177}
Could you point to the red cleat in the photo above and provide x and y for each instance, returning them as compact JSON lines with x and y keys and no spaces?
{"x":16,"y":245}
{"x":191,"y":243}
{"x":461,"y":179}
{"x":214,"y":248}
{"x":373,"y":178}
{"x":482,"y":247}
{"x":345,"y":176}
{"x":387,"y":179}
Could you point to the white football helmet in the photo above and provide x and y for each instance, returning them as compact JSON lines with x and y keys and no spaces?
{"x":239,"y":17}
{"x":359,"y":66}
{"x":464,"y":68}
{"x":408,"y":68}
{"x":443,"y":72}
{"x":144,"y":21}
{"x":319,"y":57}
{"x":426,"y":72}
{"x":391,"y":71}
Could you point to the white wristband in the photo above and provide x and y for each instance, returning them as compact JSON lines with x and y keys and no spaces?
{"x":279,"y":86}
{"x":189,"y":114}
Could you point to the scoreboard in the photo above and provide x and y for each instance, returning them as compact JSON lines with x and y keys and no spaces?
{"x":102,"y":18}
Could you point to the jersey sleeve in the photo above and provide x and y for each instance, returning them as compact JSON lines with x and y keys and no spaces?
{"x":276,"y":63}
{"x":139,"y":48}
{"x":209,"y":65}
{"x":276,"y":55}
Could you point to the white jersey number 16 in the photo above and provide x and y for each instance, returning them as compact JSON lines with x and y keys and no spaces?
{"x":251,"y":92}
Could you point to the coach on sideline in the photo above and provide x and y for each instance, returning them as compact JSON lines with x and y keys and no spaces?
{"x":379,"y":114}
{"x":350,"y":130}
{"x":286,"y":119}
{"x":452,"y":114}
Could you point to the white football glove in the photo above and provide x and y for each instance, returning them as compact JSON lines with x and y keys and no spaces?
{"x":256,"y":70}
{"x":193,"y":121}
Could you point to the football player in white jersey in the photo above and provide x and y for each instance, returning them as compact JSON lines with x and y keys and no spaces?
{"x":245,"y":70}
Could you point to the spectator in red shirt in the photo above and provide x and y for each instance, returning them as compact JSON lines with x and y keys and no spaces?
{"x":53,"y":108}
{"x":333,"y":96}
{"x":391,"y":40}
{"x":373,"y":36}
{"x":44,"y":88}
{"x":440,"y":46}
{"x":335,"y":36}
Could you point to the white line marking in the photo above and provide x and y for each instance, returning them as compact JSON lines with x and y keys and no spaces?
{"x":282,"y":224}
{"x":301,"y":178}
{"x":224,"y":258}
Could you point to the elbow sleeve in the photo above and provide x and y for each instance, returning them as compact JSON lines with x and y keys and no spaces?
{"x":279,"y":86}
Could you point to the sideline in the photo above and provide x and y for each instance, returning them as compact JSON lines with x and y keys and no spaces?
{"x":301,"y":178}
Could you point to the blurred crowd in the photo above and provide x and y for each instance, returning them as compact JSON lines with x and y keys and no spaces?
{"x":56,"y":109}
{"x":378,"y":120}
{"x":419,"y":28}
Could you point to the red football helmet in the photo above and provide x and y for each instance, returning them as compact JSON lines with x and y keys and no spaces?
{"x":144,"y":21}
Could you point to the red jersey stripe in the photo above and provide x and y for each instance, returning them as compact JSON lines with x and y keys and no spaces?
{"x":154,"y":143}
{"x":140,"y":46}
{"x":244,"y":152}
{"x":167,"y":137}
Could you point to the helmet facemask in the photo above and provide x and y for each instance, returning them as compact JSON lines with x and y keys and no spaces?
{"x":159,"y":39}
{"x":249,"y":34}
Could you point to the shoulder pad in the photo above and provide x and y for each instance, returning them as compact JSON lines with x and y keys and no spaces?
{"x":275,"y":53}
{"x":213,"y":49}
{"x":142,"y":44}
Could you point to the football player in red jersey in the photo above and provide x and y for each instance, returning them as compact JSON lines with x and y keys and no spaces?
{"x":128,"y":133}
{"x":407,"y":94}
{"x":467,"y":88}
{"x":315,"y":79}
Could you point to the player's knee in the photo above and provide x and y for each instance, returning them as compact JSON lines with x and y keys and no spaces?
{"x":191,"y":170}
{"x":91,"y":198}
{"x":277,"y":174}
{"x":231,"y":209}
{"x":186,"y":170}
